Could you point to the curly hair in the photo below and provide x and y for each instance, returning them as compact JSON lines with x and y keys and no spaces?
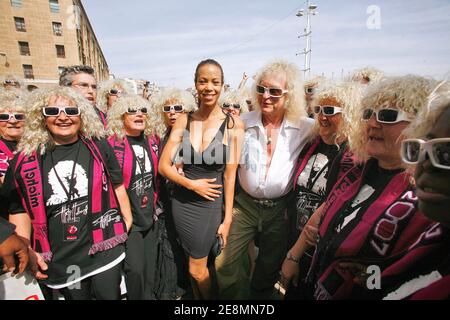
{"x":36,"y":135}
{"x":120,"y":107}
{"x":13,"y":78}
{"x":105,"y":86}
{"x":295,"y":104}
{"x":407,"y":93}
{"x":12,"y":102}
{"x":159,"y":100}
{"x":437,"y":103}
{"x":234,"y":96}
{"x":348,"y":95}
{"x":367,"y":74}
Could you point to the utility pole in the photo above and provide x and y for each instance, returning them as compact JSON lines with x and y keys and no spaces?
{"x":311,"y":10}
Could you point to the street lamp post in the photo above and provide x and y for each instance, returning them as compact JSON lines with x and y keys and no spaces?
{"x":311,"y":10}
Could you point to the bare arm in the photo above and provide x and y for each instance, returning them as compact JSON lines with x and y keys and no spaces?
{"x":290,"y":269}
{"x":23,"y":230}
{"x":203,"y":187}
{"x":125,"y":207}
{"x":243,"y":81}
{"x":236,"y":140}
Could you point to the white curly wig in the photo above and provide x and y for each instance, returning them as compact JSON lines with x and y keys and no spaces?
{"x":36,"y":134}
{"x":11,"y":77}
{"x":160,"y":99}
{"x":437,"y":103}
{"x":348,"y":95}
{"x":10,"y":101}
{"x":295,"y":105}
{"x":120,"y":107}
{"x":367,"y":74}
{"x":408,"y":93}
{"x":234,"y":96}
{"x":105,"y":86}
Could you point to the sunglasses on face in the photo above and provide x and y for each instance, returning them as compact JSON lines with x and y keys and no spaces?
{"x":10,"y":82}
{"x":386,"y":115}
{"x":175,"y":108}
{"x":8,"y":116}
{"x":310,"y":90}
{"x":56,"y":111}
{"x":273,"y":92}
{"x":115,"y":92}
{"x":135,"y":111}
{"x":236,"y":106}
{"x":438,"y":150}
{"x":327,"y":110}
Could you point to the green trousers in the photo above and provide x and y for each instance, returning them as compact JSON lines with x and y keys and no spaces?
{"x":269,"y":226}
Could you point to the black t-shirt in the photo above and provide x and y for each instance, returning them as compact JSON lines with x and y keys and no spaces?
{"x":311,"y":184}
{"x":374,"y":182}
{"x":12,"y":146}
{"x":141,"y":186}
{"x":66,"y":174}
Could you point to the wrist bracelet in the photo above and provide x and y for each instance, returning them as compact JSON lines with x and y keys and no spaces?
{"x":289,"y":256}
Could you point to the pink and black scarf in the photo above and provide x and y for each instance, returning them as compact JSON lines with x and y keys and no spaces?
{"x":103,"y":203}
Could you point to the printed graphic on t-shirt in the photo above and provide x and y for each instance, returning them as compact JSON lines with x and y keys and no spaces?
{"x":143,"y":171}
{"x":313,"y":177}
{"x":64,"y":171}
{"x":72,"y":212}
{"x":312,"y":183}
{"x":364,"y":194}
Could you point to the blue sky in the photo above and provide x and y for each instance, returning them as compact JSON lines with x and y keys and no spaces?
{"x":163,"y":40}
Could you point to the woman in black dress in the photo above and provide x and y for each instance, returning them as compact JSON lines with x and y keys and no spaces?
{"x":210,"y":142}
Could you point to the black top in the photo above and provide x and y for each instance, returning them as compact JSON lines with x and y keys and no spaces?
{"x":311,"y":183}
{"x":349,"y":216}
{"x":66,"y":174}
{"x":141,"y":186}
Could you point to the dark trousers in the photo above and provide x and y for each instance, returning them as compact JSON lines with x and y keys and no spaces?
{"x":102,"y":286}
{"x":140,"y":264}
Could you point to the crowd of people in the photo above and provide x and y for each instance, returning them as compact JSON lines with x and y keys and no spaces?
{"x":291,"y":187}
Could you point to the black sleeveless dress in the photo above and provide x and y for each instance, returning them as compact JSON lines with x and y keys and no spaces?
{"x":197,"y":219}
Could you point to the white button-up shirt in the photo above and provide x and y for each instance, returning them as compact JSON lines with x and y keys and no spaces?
{"x":292,"y":137}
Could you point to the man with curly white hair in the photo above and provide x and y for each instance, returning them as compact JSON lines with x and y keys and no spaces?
{"x":275,"y":134}
{"x":77,"y":235}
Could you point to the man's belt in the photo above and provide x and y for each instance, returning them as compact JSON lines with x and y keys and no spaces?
{"x":267,"y":203}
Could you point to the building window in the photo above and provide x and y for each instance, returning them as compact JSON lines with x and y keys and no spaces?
{"x":20,"y":24}
{"x":16,"y":3}
{"x":54,"y":6}
{"x":60,"y":51}
{"x":28,"y":71}
{"x":57,"y":28}
{"x":24,"y":48}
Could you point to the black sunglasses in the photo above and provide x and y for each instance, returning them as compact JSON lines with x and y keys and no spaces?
{"x":135,"y":111}
{"x":55,"y":111}
{"x":176,"y":108}
{"x":114,"y":92}
{"x":236,"y":106}
{"x":8,"y":116}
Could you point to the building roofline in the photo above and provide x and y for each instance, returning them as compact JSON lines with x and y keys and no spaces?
{"x":79,"y":2}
